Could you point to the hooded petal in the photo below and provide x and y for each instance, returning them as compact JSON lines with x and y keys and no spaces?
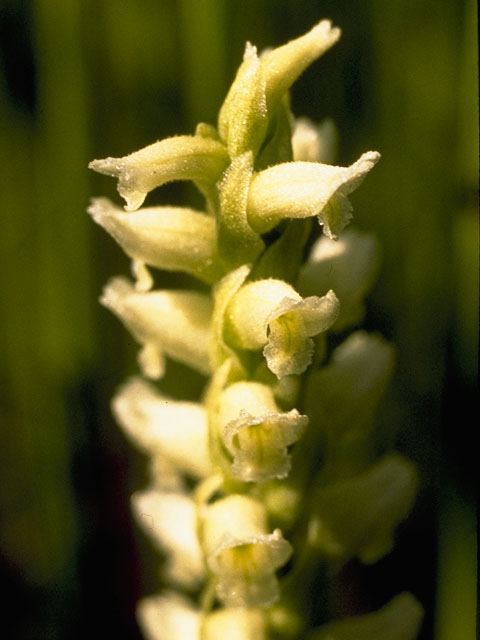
{"x":175,"y":323}
{"x":271,"y":314}
{"x":176,"y":430}
{"x":305,"y":189}
{"x":171,"y":238}
{"x":177,"y":158}
{"x":240,"y":552}
{"x":256,"y":432}
{"x":169,"y":519}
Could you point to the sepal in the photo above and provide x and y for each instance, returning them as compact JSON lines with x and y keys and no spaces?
{"x":165,"y":427}
{"x":172,"y":323}
{"x":169,"y":519}
{"x":170,"y":238}
{"x":178,"y":158}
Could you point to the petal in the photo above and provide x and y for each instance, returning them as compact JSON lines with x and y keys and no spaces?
{"x":171,"y":238}
{"x":174,"y":322}
{"x":349,"y":266}
{"x":169,"y":519}
{"x":168,"y":617}
{"x":177,"y":158}
{"x":176,"y":430}
{"x":240,"y":552}
{"x":255,"y":432}
{"x":305,"y":189}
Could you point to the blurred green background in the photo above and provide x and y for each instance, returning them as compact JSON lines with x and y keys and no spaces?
{"x":84,"y":79}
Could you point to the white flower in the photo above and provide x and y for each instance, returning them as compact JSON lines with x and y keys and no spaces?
{"x":177,"y":158}
{"x":169,"y":519}
{"x":271,"y":314}
{"x":235,"y":624}
{"x":255,"y":432}
{"x":165,"y":427}
{"x":241,"y":553}
{"x":349,"y":266}
{"x":312,"y":142}
{"x":306,"y":189}
{"x":171,"y":238}
{"x":169,"y":616}
{"x":175,"y":323}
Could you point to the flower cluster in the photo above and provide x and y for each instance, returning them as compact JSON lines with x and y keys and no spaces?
{"x":280,"y":449}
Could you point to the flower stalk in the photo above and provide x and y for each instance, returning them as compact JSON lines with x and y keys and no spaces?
{"x":280,"y":448}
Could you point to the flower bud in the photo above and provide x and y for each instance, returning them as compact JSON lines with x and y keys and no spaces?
{"x":255,"y":432}
{"x":306,"y":189}
{"x":400,"y":619}
{"x":312,"y":142}
{"x":170,"y":238}
{"x":169,"y":519}
{"x":175,"y":323}
{"x":349,"y":266}
{"x":240,"y":552}
{"x":159,"y":425}
{"x":177,"y":158}
{"x":261,"y":83}
{"x":271,"y":314}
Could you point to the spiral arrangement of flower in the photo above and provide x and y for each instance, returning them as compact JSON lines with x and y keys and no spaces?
{"x":271,"y":482}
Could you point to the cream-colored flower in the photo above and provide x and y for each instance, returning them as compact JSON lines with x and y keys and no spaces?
{"x":169,"y":616}
{"x":241,"y":553}
{"x":314,"y":142}
{"x":255,"y":432}
{"x":306,"y":189}
{"x":177,"y":158}
{"x":165,"y":427}
{"x":270,"y":314}
{"x":169,"y":519}
{"x":349,"y":266}
{"x":170,"y":238}
{"x":172,"y":323}
{"x":235,"y":624}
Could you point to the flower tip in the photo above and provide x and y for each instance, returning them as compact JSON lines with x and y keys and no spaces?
{"x":107,"y":166}
{"x":325,"y":29}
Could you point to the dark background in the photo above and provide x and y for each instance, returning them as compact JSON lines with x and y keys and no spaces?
{"x":84,"y":79}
